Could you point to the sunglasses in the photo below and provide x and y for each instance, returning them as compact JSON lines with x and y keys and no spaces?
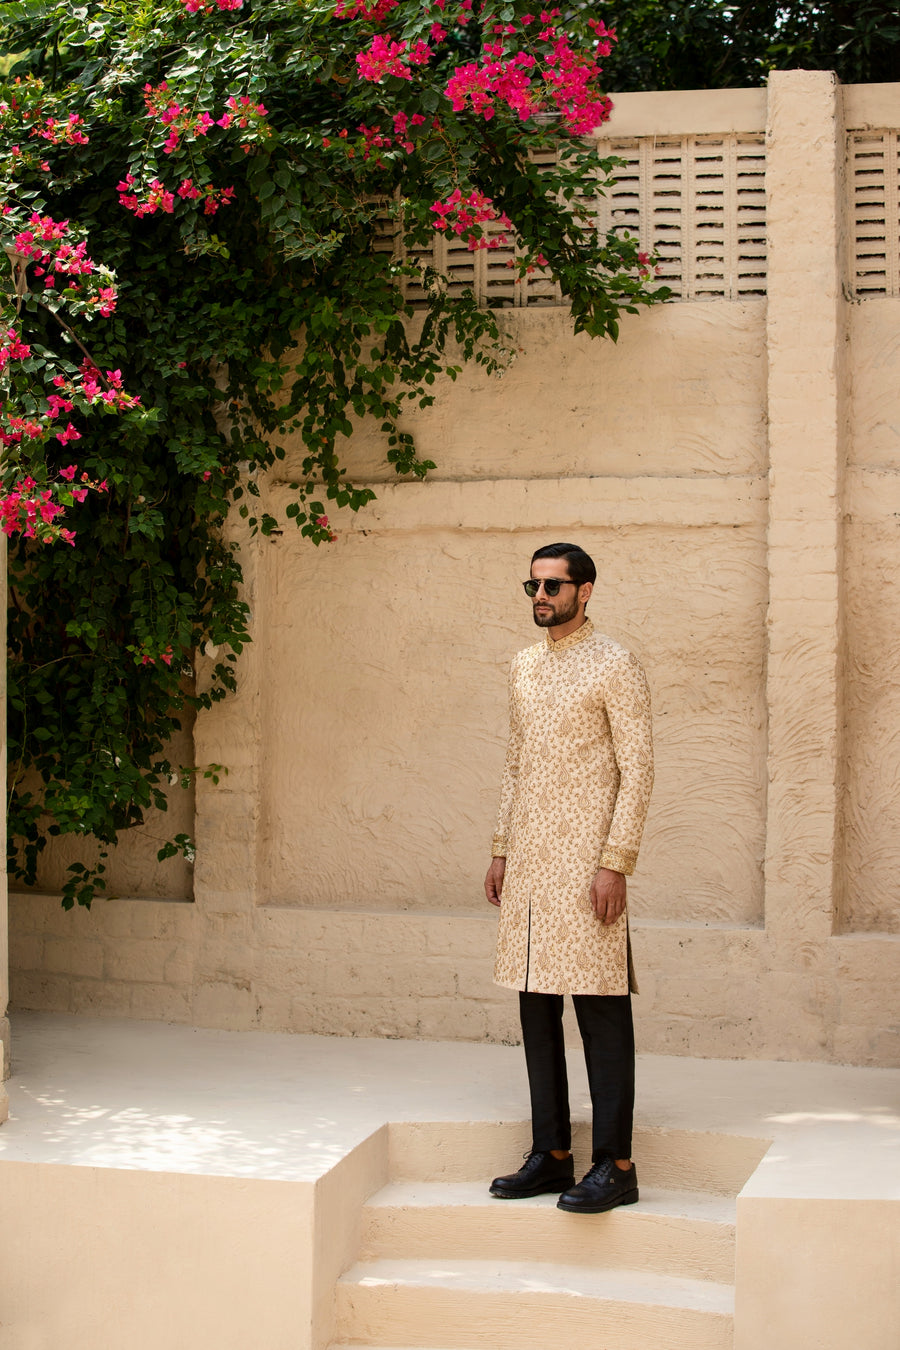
{"x":551,"y":585}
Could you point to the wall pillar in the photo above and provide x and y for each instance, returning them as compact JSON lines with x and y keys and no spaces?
{"x":806,"y":333}
{"x":227,"y":821}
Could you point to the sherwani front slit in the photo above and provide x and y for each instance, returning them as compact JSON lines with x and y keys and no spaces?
{"x":576,"y":786}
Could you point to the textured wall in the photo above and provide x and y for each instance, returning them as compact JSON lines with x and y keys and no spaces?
{"x":393,"y":778}
{"x":735,"y":469}
{"x":411,"y":624}
{"x":683,"y":394}
{"x":871,"y":803}
{"x":134,"y":870}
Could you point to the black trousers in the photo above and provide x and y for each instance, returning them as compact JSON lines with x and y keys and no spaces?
{"x":607,"y":1033}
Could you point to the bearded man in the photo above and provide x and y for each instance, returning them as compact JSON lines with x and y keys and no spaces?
{"x":576,"y":787}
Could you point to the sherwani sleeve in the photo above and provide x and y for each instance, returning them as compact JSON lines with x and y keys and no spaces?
{"x":628,"y":711}
{"x":500,"y":841}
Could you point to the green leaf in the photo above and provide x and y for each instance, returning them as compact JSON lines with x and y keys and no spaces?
{"x":262,"y":331}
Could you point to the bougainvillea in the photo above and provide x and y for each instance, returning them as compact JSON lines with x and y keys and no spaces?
{"x":40,"y":388}
{"x":194,"y":196}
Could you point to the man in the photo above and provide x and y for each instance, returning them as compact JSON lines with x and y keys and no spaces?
{"x":579,"y":770}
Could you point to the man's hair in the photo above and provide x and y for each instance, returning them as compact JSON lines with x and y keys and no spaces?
{"x":580,"y":564}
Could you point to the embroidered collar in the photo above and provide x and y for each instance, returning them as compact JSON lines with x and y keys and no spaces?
{"x":571,"y":639}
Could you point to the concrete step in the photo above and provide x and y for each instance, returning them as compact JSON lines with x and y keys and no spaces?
{"x":507,"y":1305}
{"x":683,"y":1233}
{"x":677,"y":1160}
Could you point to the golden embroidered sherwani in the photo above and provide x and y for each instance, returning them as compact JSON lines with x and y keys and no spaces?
{"x":576,"y":787}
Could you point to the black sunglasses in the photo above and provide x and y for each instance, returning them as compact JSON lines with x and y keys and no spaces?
{"x":551,"y":585}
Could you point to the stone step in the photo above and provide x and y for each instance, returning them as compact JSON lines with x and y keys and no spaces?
{"x":683,"y":1233}
{"x":677,"y":1160}
{"x":491,"y":1304}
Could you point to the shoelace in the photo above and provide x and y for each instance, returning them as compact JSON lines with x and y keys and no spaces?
{"x":536,"y":1159}
{"x":597,"y":1169}
{"x":532,"y":1160}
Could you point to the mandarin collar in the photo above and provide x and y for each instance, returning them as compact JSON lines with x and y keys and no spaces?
{"x":571,"y":639}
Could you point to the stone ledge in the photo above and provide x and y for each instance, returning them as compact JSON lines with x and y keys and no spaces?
{"x":687,"y":112}
{"x":509,"y":504}
{"x":870,"y":106}
{"x":427,"y":974}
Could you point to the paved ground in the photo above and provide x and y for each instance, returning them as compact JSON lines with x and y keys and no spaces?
{"x":145,"y":1095}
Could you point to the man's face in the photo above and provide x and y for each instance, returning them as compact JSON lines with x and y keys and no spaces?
{"x":550,"y":611}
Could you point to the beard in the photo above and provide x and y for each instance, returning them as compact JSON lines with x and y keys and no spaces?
{"x":557,"y":614}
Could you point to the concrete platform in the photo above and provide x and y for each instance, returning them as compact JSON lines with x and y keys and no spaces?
{"x":169,"y":1185}
{"x":158,"y":1097}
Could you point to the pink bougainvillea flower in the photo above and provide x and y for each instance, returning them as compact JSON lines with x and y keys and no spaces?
{"x":382,"y":58}
{"x":358,"y":9}
{"x":466,"y":215}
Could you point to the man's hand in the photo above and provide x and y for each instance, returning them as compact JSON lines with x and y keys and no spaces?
{"x":493,"y":882}
{"x":607,"y":895}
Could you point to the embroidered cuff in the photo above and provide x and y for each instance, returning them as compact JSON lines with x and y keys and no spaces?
{"x":498,"y":846}
{"x":619,"y":859}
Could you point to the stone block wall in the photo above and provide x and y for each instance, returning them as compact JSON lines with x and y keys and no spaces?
{"x":733,"y":466}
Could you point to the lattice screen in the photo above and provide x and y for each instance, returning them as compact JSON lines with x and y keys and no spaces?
{"x":873,"y":175}
{"x":486,"y":271}
{"x":699,"y":202}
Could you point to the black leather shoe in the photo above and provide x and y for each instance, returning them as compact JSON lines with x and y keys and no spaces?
{"x":540,"y":1174}
{"x":604,"y":1187}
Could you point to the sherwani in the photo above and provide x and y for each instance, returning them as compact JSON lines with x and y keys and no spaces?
{"x":576,"y":787}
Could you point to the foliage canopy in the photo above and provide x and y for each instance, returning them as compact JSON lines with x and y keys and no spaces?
{"x":231,"y":165}
{"x":711,"y":44}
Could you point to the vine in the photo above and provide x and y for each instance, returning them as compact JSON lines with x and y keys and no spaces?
{"x":231,"y":164}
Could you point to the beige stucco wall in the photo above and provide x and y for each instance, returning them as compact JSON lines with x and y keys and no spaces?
{"x":681,"y":393}
{"x":733,"y":467}
{"x":157,"y":1260}
{"x":135,"y":870}
{"x":872,"y":560}
{"x":809,"y":1274}
{"x":395,"y":777}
